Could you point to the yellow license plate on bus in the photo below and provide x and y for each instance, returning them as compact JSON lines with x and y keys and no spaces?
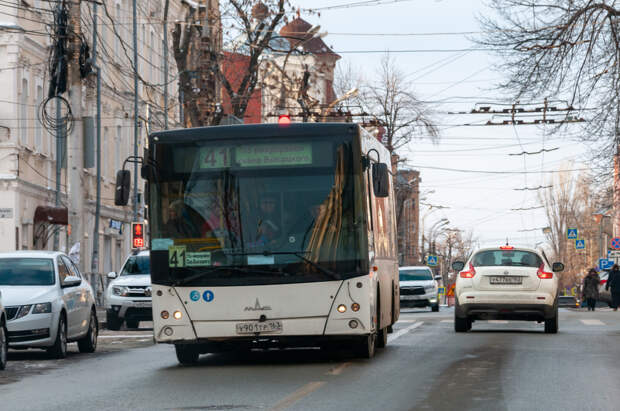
{"x":272,"y":327}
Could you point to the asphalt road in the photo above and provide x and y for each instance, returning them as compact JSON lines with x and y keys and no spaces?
{"x":426,"y":366}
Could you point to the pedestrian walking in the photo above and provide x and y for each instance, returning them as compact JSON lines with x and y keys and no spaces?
{"x":613,"y":283}
{"x":590,"y":289}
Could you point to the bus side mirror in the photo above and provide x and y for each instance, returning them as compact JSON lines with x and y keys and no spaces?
{"x":458,"y":265}
{"x":123,"y":185}
{"x":557,"y":267}
{"x":380,"y":180}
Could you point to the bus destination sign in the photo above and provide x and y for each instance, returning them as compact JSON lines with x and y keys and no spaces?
{"x":257,"y":155}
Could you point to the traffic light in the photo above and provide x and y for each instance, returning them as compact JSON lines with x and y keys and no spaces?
{"x":137,"y":235}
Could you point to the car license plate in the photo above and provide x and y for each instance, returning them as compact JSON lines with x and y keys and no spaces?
{"x":505,"y":280}
{"x":142,"y":304}
{"x":273,"y":326}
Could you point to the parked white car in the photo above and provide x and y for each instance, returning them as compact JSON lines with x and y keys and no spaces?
{"x":512,"y":283}
{"x":47,"y":302}
{"x":4,"y":342}
{"x":128,"y":296}
{"x":418,"y":287}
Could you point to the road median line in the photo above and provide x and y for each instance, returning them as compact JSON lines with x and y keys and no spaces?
{"x":127,"y":336}
{"x":298,"y":395}
{"x":337,"y":370}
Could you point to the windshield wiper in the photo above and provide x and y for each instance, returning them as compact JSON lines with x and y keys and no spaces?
{"x":301,"y":256}
{"x":201,"y":273}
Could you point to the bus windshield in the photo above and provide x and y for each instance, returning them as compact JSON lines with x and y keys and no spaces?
{"x":276,"y":208}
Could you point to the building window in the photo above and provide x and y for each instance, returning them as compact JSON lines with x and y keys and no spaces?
{"x":23,"y":117}
{"x":104,"y":152}
{"x":117,"y":148}
{"x":38,"y":128}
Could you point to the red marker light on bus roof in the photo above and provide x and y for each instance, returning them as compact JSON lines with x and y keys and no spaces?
{"x":506,"y":247}
{"x":284,"y":120}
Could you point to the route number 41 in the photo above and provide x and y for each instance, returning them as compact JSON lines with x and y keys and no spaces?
{"x":176,"y":256}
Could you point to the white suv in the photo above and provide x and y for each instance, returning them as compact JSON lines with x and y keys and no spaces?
{"x":513,"y":283}
{"x":128,"y":297}
{"x":418,"y":287}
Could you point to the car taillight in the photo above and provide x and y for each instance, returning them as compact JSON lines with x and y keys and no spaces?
{"x":542,"y":273}
{"x":469,"y":273}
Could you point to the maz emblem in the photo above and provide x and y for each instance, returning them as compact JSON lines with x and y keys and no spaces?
{"x":258,"y":307}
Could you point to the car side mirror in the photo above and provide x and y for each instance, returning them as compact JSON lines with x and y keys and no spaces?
{"x":71,"y":281}
{"x":123,"y":186}
{"x":438,"y":278}
{"x":380,"y":180}
{"x":557,"y":267}
{"x":458,"y":265}
{"x":111,"y":275}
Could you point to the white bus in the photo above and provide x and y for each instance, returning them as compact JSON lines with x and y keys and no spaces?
{"x":271,"y":236}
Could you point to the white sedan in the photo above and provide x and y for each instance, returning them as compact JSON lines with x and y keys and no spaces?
{"x":47,"y":302}
{"x":506,"y":283}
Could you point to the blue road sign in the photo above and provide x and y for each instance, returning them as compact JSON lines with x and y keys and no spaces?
{"x":441,"y":290}
{"x":615,"y":243}
{"x":431,"y":260}
{"x":580,"y":244}
{"x":571,"y":234}
{"x":605,"y":264}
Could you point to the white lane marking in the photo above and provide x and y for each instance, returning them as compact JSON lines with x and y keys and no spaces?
{"x":127,"y":336}
{"x":407,"y":321}
{"x":298,"y":395}
{"x":498,"y":322}
{"x":404,"y":331}
{"x":592,"y":322}
{"x":338,"y":369}
{"x":447,"y":321}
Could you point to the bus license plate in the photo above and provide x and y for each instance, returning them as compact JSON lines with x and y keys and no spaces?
{"x":505,"y":280}
{"x":273,"y":326}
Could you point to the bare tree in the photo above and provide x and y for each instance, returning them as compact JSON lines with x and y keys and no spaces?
{"x":566,"y":49}
{"x":391,"y":99}
{"x":570,"y":203}
{"x":203,"y":64}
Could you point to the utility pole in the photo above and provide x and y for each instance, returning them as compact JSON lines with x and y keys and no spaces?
{"x":136,"y":128}
{"x":95,"y":256}
{"x":75,"y":149}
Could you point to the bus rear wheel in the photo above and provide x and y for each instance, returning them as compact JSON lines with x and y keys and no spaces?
{"x":187,"y":354}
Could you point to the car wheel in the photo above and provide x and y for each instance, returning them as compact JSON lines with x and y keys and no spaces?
{"x":4,"y":346}
{"x":132,"y":323}
{"x":462,"y":325}
{"x":187,"y":354}
{"x":552,"y":324}
{"x":113,"y":322}
{"x":88,"y":343}
{"x":435,"y":308}
{"x":59,"y":349}
{"x":382,"y":338}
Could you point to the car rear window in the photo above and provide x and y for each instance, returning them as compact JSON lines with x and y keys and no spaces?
{"x":517,"y":258}
{"x":137,"y":265}
{"x":26,"y":271}
{"x":415,"y":274}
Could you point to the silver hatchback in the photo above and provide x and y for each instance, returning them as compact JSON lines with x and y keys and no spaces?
{"x":47,"y":302}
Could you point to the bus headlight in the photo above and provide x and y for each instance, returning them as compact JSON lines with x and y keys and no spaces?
{"x":165,"y":315}
{"x":355,"y":307}
{"x":353,"y":324}
{"x":177,"y":315}
{"x":342,"y":308}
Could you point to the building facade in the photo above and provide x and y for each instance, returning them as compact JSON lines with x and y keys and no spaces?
{"x":30,"y":217}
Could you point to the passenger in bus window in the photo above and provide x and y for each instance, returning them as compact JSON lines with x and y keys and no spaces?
{"x":179,"y":224}
{"x":267,"y":227}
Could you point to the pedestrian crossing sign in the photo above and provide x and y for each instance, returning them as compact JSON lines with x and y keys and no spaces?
{"x":580,"y":244}
{"x":431,"y":260}
{"x":441,"y":290}
{"x":571,"y":233}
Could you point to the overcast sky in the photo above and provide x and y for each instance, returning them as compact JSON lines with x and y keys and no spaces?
{"x":453,"y":81}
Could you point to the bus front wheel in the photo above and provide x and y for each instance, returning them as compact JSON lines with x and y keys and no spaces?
{"x":187,"y":354}
{"x":365,"y":347}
